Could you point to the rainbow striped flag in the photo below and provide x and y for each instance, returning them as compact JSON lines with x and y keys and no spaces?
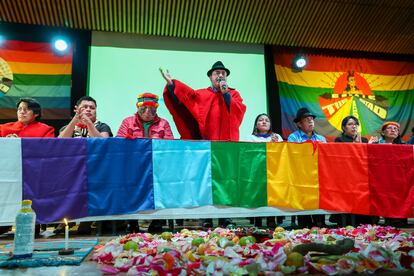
{"x":32,"y":69}
{"x":77,"y":178}
{"x":332,"y":88}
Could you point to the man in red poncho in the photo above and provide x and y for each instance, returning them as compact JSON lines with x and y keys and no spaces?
{"x":213,"y":113}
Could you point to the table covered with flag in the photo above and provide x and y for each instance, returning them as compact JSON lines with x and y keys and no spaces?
{"x":95,"y":178}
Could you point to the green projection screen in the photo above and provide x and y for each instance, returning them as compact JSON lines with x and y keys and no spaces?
{"x":123,"y":66}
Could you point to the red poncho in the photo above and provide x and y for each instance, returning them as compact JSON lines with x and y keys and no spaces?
{"x":203,"y":113}
{"x":34,"y":129}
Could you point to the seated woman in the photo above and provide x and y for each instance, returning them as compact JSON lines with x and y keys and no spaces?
{"x":262,"y":132}
{"x":27,"y":124}
{"x":350,"y":132}
{"x":390,"y":134}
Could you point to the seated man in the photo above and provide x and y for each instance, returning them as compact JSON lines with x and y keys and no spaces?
{"x":306,"y":128}
{"x":146,"y":124}
{"x":84,"y":123}
{"x":306,"y":132}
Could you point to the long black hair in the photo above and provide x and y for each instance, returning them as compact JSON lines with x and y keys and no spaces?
{"x":255,"y":132}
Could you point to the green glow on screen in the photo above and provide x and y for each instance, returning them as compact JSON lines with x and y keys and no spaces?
{"x":118,"y":74}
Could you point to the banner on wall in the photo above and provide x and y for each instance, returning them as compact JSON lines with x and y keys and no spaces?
{"x":332,"y":88}
{"x":32,"y":69}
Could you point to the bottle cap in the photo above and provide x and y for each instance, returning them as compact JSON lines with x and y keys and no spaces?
{"x":27,"y":202}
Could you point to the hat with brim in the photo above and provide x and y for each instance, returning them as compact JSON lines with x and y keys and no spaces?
{"x":303,"y":113}
{"x":218,"y":66}
{"x":147,"y":99}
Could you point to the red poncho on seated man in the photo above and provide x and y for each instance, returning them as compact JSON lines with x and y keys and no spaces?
{"x":213,"y":113}
{"x":27,"y":124}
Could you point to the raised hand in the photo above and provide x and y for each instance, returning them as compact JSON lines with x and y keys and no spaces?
{"x":274,"y":137}
{"x":166,"y":75}
{"x":357,"y":138}
{"x":373,"y":139}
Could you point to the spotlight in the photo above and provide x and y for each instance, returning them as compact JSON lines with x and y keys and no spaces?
{"x":60,"y":45}
{"x":298,"y":63}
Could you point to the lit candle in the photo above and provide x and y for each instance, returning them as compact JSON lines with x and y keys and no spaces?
{"x":66,"y":234}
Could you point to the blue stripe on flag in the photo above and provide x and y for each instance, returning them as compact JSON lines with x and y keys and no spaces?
{"x":182,"y":173}
{"x":119,"y":176}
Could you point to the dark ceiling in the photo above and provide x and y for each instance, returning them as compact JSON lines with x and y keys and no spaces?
{"x":379,"y":26}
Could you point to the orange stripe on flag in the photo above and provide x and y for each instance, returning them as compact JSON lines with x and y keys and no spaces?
{"x":343,"y":177}
{"x":292,"y":176}
{"x":40,"y":68}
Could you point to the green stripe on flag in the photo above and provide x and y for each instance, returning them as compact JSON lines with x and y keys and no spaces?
{"x":35,"y":91}
{"x":45,"y":102}
{"x":301,"y":93}
{"x":53,"y":80}
{"x":239,"y":174}
{"x":397,"y":98}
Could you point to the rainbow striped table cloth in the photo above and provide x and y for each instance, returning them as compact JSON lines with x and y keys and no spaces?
{"x":78,"y":178}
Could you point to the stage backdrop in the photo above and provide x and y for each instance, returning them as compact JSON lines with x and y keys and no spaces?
{"x":123,"y":66}
{"x":77,"y":178}
{"x":332,"y":88}
{"x":32,"y":69}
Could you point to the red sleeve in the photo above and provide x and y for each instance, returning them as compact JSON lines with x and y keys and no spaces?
{"x":184,"y":120}
{"x":10,"y":128}
{"x":168,"y":133}
{"x":50,"y":133}
{"x":237,"y":108}
{"x":123,"y":129}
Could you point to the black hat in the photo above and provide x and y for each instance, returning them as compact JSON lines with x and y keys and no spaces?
{"x":303,"y":113}
{"x":218,"y":66}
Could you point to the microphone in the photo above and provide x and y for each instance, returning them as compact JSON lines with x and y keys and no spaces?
{"x":223,"y":86}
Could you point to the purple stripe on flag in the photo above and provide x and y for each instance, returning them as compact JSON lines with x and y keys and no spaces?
{"x":54,"y":177}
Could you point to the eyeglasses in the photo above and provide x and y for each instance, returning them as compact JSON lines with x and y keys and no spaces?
{"x":151,"y":110}
{"x":392,"y":128}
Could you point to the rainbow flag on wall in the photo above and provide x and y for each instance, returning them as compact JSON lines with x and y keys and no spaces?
{"x":332,"y":88}
{"x":77,"y":178}
{"x":32,"y":69}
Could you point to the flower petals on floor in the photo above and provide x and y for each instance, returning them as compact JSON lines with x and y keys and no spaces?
{"x":250,"y":251}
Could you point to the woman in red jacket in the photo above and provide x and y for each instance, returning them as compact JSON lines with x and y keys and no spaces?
{"x":27,"y":124}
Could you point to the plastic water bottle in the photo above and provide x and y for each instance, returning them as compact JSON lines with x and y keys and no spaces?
{"x":25,"y":231}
